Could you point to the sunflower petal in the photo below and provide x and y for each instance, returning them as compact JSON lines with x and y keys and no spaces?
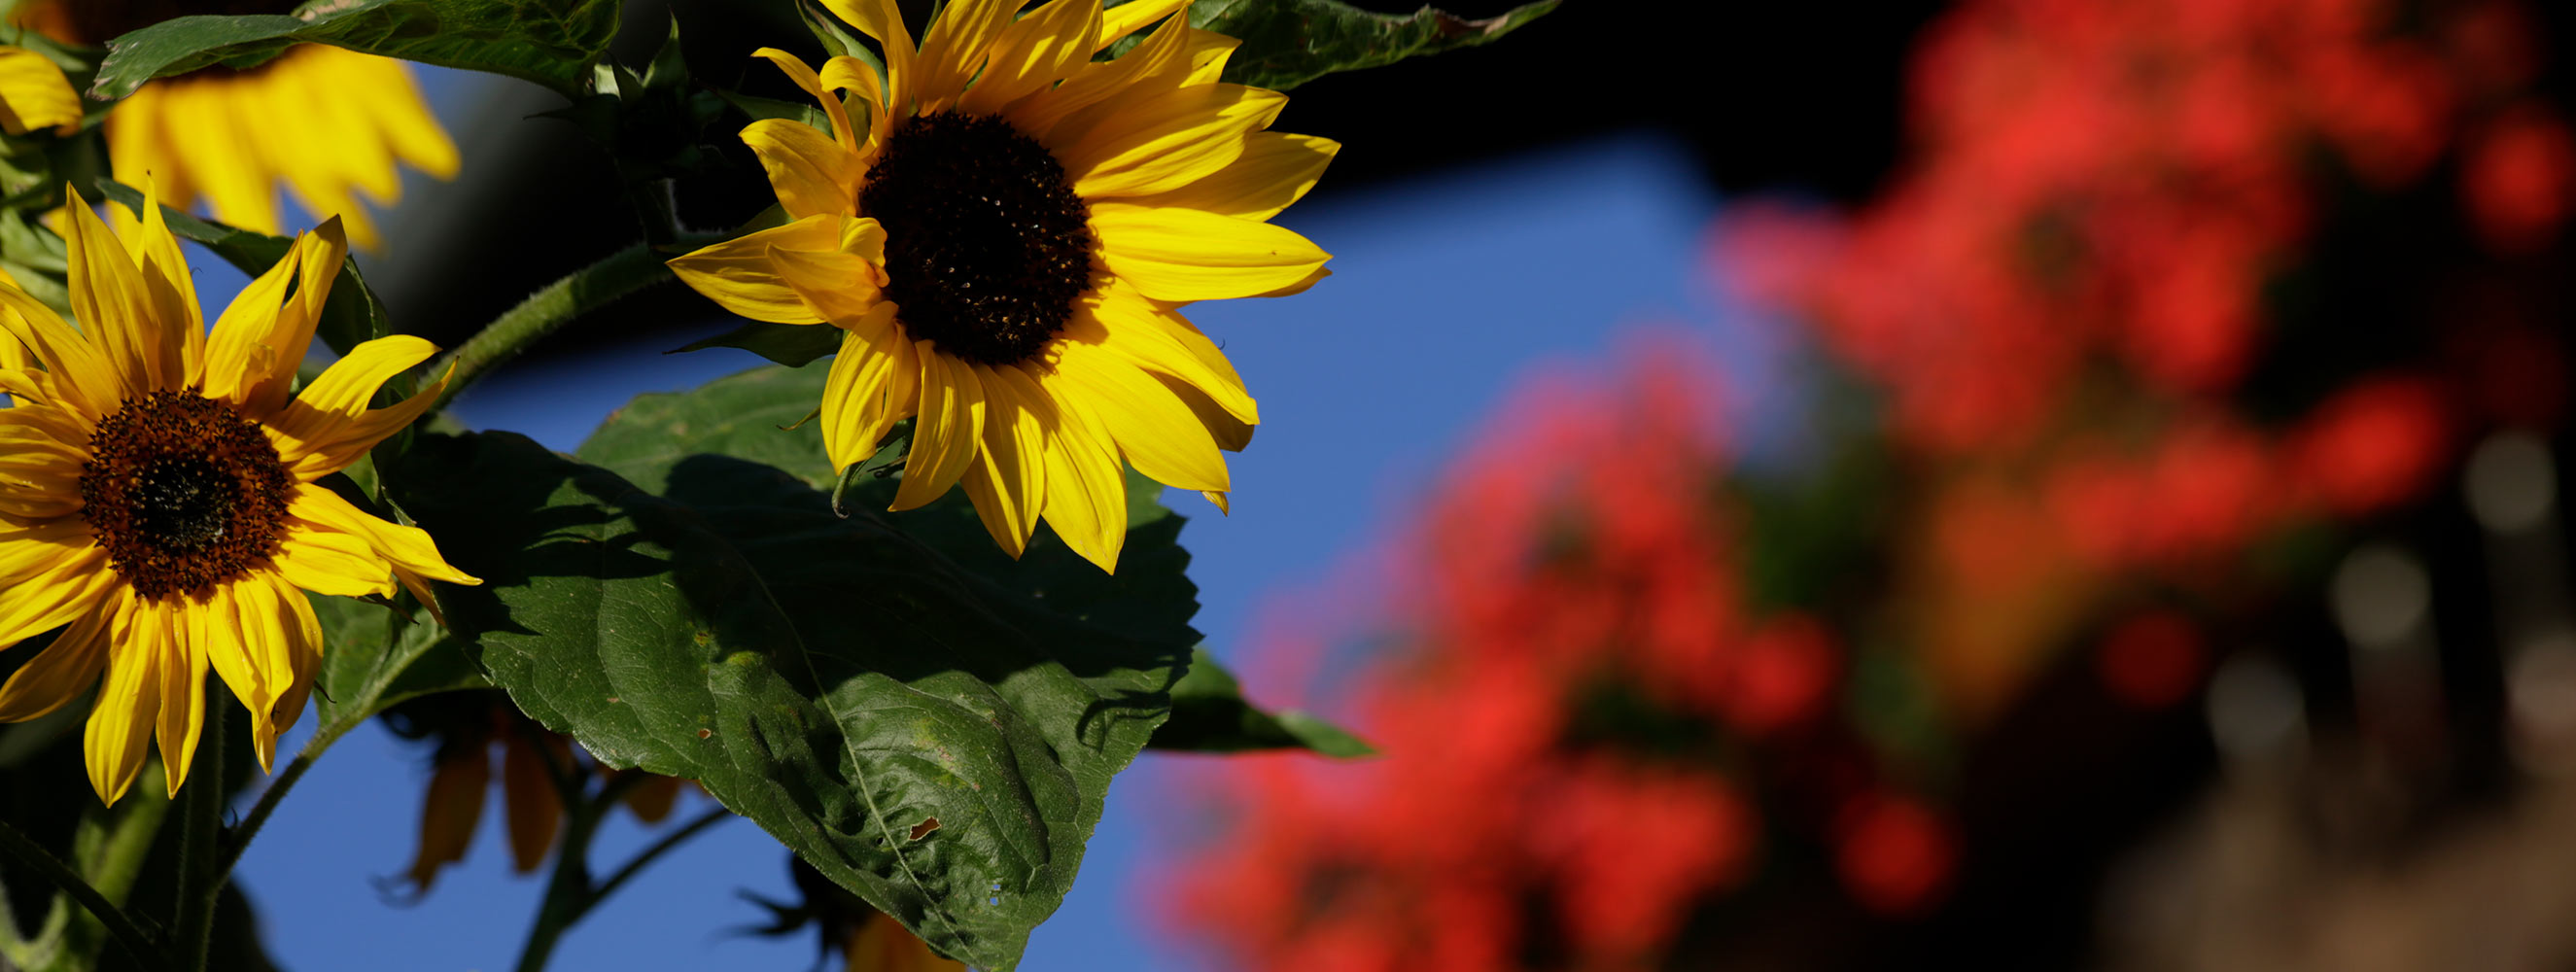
{"x":1131,"y":327}
{"x":329,"y":425}
{"x":1275,"y":170}
{"x":879,"y":19}
{"x":956,"y":47}
{"x":811,"y":174}
{"x":241,"y":351}
{"x":837,"y":285}
{"x":1154,"y":431}
{"x":738,"y":275}
{"x":62,"y":672}
{"x":874,"y":384}
{"x":57,"y":593}
{"x":269,"y":356}
{"x":1008,"y":481}
{"x":1127,"y":18}
{"x":129,"y":702}
{"x":1164,"y":143}
{"x":35,"y":95}
{"x":409,"y":548}
{"x":183,"y":687}
{"x":1185,"y":254}
{"x":77,"y":371}
{"x":1086,"y":499}
{"x":110,"y":299}
{"x":947,"y":428}
{"x":1161,"y":56}
{"x":1033,"y":52}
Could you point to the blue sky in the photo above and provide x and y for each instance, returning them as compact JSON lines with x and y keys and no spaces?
{"x":1448,"y":289}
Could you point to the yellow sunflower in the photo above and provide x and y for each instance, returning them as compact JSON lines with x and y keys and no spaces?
{"x":157,"y":495}
{"x":34,"y":95}
{"x":1007,"y":235}
{"x":328,"y":121}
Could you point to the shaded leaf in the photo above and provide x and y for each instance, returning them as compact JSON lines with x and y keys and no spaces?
{"x":1210,"y":715}
{"x":832,"y":679}
{"x":550,"y":42}
{"x":1287,"y":43}
{"x":793,"y":345}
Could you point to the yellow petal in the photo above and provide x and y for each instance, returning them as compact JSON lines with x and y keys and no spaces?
{"x":1086,"y":498}
{"x":1185,"y":254}
{"x":450,"y":810}
{"x":129,"y":702}
{"x":947,"y":427}
{"x":1154,"y":65}
{"x":328,"y":425}
{"x":1127,"y":18}
{"x":1033,"y":52}
{"x":954,"y":50}
{"x":1008,"y":480}
{"x":879,"y":19}
{"x":263,"y":671}
{"x":874,"y":384}
{"x":842,"y":134}
{"x":812,"y":175}
{"x":843,"y":287}
{"x":1154,"y":431}
{"x":111,"y":301}
{"x":62,"y":672}
{"x":408,"y":548}
{"x":1274,"y":171}
{"x":1161,"y":144}
{"x":67,"y":585}
{"x":183,"y":687}
{"x":240,"y":351}
{"x":1223,"y":508}
{"x":1132,"y":328}
{"x":77,"y":375}
{"x":34,"y":94}
{"x":170,"y":292}
{"x":737,"y":273}
{"x":271,"y":339}
{"x":302,"y":651}
{"x":329,"y":561}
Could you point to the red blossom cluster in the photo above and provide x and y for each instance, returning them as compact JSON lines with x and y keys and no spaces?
{"x":1577,"y":732}
{"x":2105,"y":382}
{"x":2090,"y":263}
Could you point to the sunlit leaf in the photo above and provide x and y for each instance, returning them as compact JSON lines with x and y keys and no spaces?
{"x":550,"y":42}
{"x":831,"y":678}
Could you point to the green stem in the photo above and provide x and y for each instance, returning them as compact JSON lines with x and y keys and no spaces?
{"x":570,"y":894}
{"x":660,"y":847}
{"x":550,"y":308}
{"x":121,"y":928}
{"x":237,"y":838}
{"x":201,"y":821}
{"x":568,"y":891}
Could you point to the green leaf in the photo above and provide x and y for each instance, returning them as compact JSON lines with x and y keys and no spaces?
{"x":352,"y":316}
{"x":550,"y":42}
{"x":1287,"y":43}
{"x":375,"y":658}
{"x":832,"y":679}
{"x":1210,"y":715}
{"x":793,"y":345}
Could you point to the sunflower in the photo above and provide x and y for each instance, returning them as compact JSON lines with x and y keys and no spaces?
{"x":34,"y":94}
{"x":328,"y":121}
{"x":157,"y":494}
{"x":1007,"y":235}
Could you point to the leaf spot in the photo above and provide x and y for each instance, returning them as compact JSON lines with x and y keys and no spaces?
{"x":704,"y":733}
{"x":923,"y":829}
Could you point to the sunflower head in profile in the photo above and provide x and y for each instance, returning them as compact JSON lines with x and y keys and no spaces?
{"x":1005,"y":230}
{"x":330,"y":123}
{"x":158,"y":501}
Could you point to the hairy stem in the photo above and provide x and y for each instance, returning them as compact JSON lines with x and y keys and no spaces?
{"x":550,"y":308}
{"x":201,"y":820}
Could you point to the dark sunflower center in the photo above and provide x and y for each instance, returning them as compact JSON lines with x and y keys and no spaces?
{"x":986,"y":244}
{"x":183,"y":491}
{"x":99,"y":21}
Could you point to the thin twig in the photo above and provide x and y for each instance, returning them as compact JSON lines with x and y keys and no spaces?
{"x":659,"y":848}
